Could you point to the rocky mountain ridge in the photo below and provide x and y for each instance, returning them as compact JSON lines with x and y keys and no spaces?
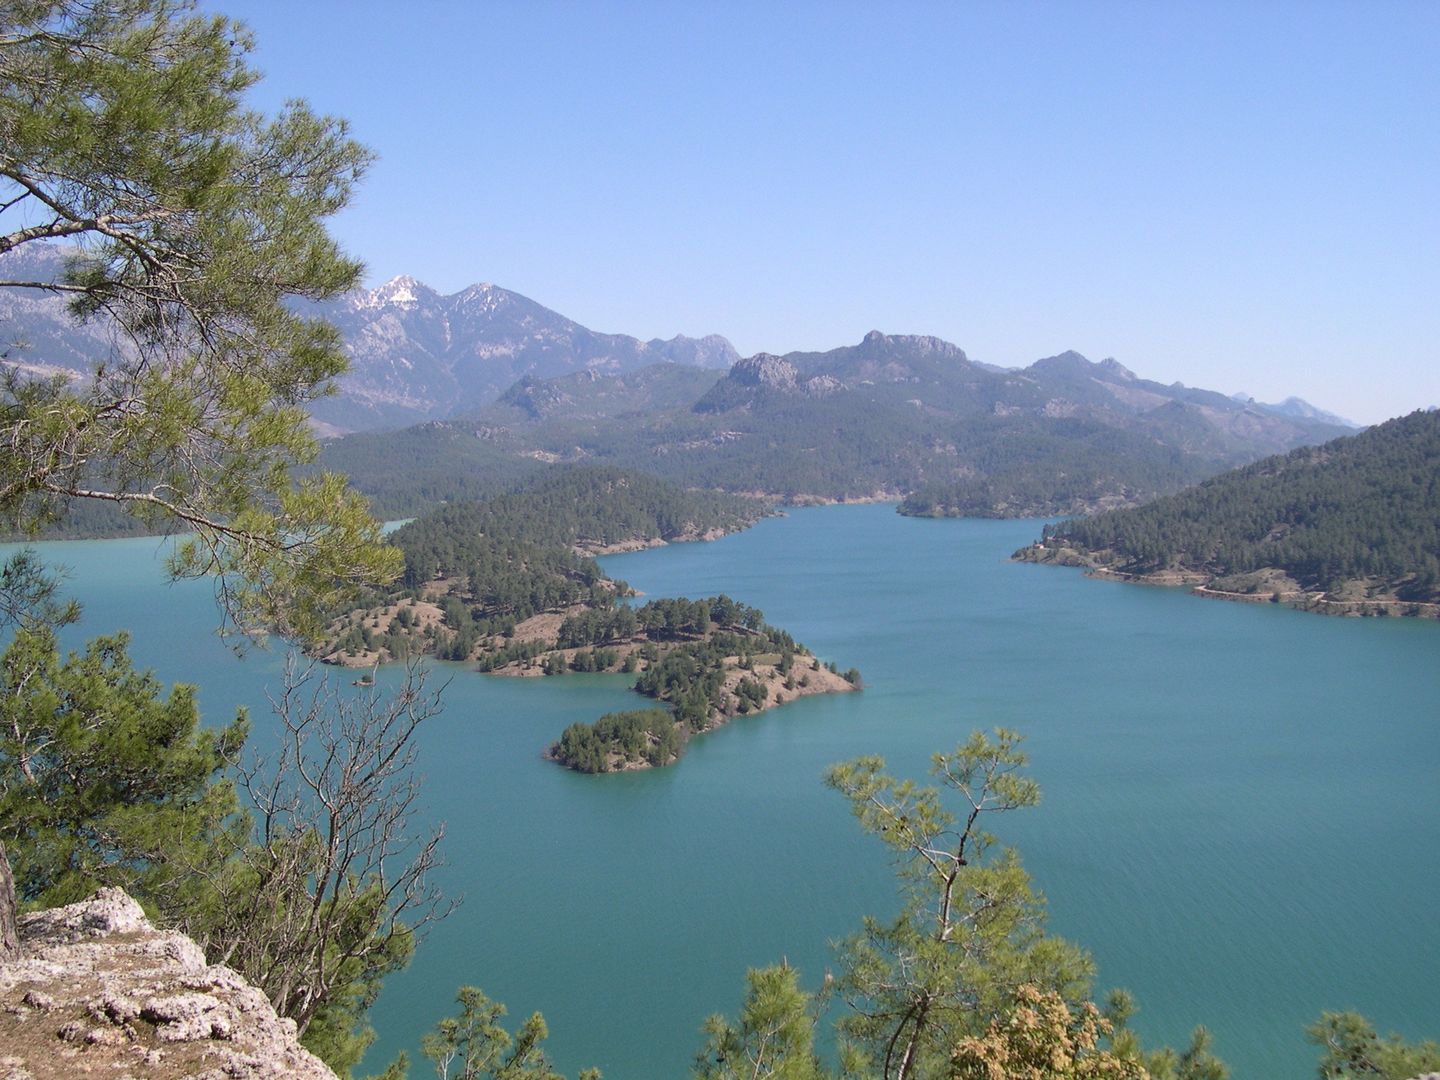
{"x":1296,"y":406}
{"x":891,"y":415}
{"x":415,"y":354}
{"x":419,"y":355}
{"x":937,"y":377}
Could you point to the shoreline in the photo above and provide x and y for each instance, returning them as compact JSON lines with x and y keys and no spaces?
{"x":1201,"y":584}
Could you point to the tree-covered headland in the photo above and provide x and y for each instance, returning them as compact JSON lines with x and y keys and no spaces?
{"x":505,"y":584}
{"x":1350,"y":527}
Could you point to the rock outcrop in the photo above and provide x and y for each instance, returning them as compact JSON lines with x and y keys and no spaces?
{"x":100,"y":992}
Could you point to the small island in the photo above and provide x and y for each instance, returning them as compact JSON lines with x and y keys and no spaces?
{"x":1348,"y":528}
{"x":510,"y":585}
{"x":709,"y":660}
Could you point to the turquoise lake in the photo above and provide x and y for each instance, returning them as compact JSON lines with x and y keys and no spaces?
{"x":1240,"y":820}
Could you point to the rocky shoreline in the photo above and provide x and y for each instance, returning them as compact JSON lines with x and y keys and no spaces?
{"x":1270,"y":585}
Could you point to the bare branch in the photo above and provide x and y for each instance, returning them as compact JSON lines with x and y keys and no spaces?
{"x":336,"y":879}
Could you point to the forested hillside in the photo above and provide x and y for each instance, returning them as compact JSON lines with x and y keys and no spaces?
{"x":507,"y":584}
{"x":890,"y":416}
{"x":1353,"y":522}
{"x":522,"y":553}
{"x":589,"y":507}
{"x":1069,"y":467}
{"x":411,"y":471}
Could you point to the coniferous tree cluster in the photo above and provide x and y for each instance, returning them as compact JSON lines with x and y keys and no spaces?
{"x":515,"y":555}
{"x":1069,"y":467}
{"x":689,"y":649}
{"x":587,"y":506}
{"x":1363,"y":508}
{"x":618,"y":739}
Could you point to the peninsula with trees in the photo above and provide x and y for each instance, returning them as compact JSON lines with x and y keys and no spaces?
{"x":1351,"y":527}
{"x":511,"y":586}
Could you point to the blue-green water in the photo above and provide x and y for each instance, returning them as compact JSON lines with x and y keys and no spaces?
{"x":1241,"y":813}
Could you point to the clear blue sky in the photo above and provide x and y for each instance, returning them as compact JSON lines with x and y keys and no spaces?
{"x":1238,"y":196}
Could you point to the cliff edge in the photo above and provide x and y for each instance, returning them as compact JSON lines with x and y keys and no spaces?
{"x":100,"y":992}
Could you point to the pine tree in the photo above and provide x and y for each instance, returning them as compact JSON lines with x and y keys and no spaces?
{"x":104,"y":778}
{"x":190,"y":221}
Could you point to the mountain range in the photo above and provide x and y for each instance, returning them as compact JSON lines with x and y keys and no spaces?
{"x":415,"y":354}
{"x":889,"y":416}
{"x":419,"y":355}
{"x":499,"y":384}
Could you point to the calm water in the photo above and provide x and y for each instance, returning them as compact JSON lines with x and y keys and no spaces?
{"x":1241,"y":813}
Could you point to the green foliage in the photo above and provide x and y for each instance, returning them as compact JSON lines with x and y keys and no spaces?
{"x":1195,"y":1062}
{"x":774,"y":1038}
{"x":515,"y":554}
{"x":1363,"y":507}
{"x":646,"y":735}
{"x":1353,"y":1050}
{"x":29,"y":594}
{"x":584,"y":506}
{"x":311,"y":885}
{"x":474,"y":1045}
{"x":123,"y":132}
{"x":971,"y":928}
{"x":1065,"y":467}
{"x":598,"y":626}
{"x":691,"y":675}
{"x":104,"y":781}
{"x":690,"y":647}
{"x":410,"y":472}
{"x":964,"y":982}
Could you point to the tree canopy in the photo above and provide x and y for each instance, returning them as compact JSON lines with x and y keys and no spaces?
{"x":190,"y":224}
{"x":190,"y":220}
{"x":1362,"y":508}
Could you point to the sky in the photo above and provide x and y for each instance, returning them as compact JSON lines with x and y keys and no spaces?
{"x":1239,"y":196}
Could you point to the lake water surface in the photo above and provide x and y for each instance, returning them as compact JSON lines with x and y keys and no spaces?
{"x":1240,"y":820}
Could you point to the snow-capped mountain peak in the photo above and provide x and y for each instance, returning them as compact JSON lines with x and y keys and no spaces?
{"x":402,"y":292}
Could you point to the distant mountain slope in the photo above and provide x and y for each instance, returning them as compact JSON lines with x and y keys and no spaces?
{"x":890,"y":415}
{"x":37,"y":333}
{"x":1294,"y":406}
{"x":590,"y":395}
{"x":418,"y":355}
{"x":415,"y":355}
{"x":1352,"y":523}
{"x":520,"y":385}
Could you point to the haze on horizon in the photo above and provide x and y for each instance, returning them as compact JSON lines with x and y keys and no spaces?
{"x":1234,"y":196}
